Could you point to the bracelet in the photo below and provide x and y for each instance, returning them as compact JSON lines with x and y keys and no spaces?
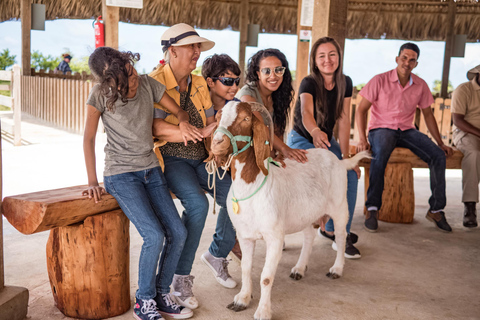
{"x":311,"y":132}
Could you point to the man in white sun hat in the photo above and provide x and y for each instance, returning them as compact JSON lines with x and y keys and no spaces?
{"x":184,"y":164}
{"x":466,"y":137}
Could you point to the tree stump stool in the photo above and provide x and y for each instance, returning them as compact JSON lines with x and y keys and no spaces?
{"x":87,"y":251}
{"x":398,"y":198}
{"x":88,"y":266}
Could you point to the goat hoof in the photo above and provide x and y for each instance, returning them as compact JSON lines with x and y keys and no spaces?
{"x":296,"y":276}
{"x":333,"y":275}
{"x":236,"y":307}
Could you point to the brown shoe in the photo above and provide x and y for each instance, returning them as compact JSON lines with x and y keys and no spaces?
{"x":439,"y":219}
{"x":236,"y":253}
{"x":470,"y":215}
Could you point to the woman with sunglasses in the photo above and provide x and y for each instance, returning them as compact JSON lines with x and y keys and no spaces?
{"x":185,"y":170}
{"x":324,"y":101}
{"x":269,"y":82}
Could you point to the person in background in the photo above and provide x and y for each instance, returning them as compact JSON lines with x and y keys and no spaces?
{"x":64,"y":66}
{"x":185,"y":169}
{"x":324,"y":101}
{"x":394,"y":97}
{"x":269,"y":82}
{"x":124,"y":100}
{"x":466,"y":137}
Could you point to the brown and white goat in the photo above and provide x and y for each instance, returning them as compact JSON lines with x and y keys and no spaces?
{"x":267,"y":202}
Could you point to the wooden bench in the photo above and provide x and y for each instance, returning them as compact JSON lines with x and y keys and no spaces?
{"x":87,"y":250}
{"x":398,"y":199}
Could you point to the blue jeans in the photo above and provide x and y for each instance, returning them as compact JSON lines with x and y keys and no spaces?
{"x":146,"y":201}
{"x":383,"y":141}
{"x":188,"y":179}
{"x":296,"y":141}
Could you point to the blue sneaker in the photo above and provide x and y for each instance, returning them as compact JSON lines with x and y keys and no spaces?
{"x":146,"y":310}
{"x":166,"y":306}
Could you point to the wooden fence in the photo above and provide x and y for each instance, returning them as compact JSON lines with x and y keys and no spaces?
{"x":58,"y":101}
{"x":13,"y":101}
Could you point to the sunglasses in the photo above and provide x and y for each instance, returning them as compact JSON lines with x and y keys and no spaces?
{"x":227,"y":81}
{"x":279,"y":71}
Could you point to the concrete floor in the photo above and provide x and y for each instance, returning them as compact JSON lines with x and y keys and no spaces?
{"x":408,"y":271}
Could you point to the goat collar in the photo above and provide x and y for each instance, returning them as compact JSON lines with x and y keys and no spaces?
{"x":236,"y":206}
{"x":235,"y":139}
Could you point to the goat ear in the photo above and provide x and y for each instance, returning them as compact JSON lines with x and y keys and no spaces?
{"x":262,"y":150}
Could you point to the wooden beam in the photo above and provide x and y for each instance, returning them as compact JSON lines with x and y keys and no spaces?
{"x":449,"y":42}
{"x":244,"y":20}
{"x":2,"y":271}
{"x":330,"y":19}
{"x":26,"y":18}
{"x":111,"y":16}
{"x":303,"y":48}
{"x":17,"y":105}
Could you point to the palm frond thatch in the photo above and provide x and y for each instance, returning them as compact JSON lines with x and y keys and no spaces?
{"x":374,"y":19}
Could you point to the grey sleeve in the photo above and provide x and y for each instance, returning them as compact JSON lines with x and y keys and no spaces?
{"x":95,"y":99}
{"x":210,"y":112}
{"x":158,"y":89}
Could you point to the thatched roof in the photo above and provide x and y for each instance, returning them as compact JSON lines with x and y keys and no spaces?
{"x":392,"y":19}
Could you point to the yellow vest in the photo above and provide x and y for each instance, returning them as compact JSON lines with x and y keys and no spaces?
{"x":199,"y":95}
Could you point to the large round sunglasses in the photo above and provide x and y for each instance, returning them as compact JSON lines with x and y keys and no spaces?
{"x":226,"y":81}
{"x":279,"y":71}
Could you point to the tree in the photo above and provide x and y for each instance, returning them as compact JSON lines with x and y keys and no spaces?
{"x":437,"y":87}
{"x":79,"y":64}
{"x":6,"y":60}
{"x":39,"y":61}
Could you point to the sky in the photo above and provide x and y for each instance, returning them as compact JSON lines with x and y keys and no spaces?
{"x":363,"y":59}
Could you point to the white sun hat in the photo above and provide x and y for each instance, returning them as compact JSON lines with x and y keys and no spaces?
{"x":182,"y":34}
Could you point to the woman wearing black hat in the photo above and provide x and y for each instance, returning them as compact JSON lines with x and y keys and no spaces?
{"x":63,"y":66}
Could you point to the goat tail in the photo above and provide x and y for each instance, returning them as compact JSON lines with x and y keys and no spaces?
{"x":350,"y":163}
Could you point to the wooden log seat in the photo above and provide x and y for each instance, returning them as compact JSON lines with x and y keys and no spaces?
{"x":398,"y":198}
{"x":87,"y":251}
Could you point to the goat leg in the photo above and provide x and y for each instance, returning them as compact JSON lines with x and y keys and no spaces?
{"x":274,"y":253}
{"x":340,"y":222}
{"x":243,"y":298}
{"x":298,"y":272}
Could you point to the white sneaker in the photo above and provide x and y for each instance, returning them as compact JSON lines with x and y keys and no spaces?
{"x":219,"y":267}
{"x":183,"y":294}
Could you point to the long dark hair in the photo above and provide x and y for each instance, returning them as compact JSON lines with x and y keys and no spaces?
{"x":284,"y":94}
{"x":321,"y":92}
{"x":108,"y":66}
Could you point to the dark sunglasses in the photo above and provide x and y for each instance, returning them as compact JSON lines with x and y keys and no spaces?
{"x":227,"y":81}
{"x":279,"y":71}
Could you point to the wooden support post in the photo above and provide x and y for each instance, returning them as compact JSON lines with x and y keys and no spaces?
{"x":244,"y":20}
{"x":330,"y":19}
{"x":303,"y":48}
{"x":26,"y":18}
{"x":111,"y":16}
{"x":449,"y":42}
{"x":13,"y":300}
{"x":17,"y":105}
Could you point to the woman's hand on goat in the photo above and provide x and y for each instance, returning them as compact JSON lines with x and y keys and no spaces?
{"x":320,"y":139}
{"x":209,"y":129}
{"x":298,"y":155}
{"x":189,"y":132}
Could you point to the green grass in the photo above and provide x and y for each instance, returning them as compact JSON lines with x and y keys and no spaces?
{"x":5,"y":93}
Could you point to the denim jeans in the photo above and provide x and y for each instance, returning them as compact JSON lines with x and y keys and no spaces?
{"x":383,"y":141}
{"x":295,"y":140}
{"x":188,"y":179}
{"x":146,"y":201}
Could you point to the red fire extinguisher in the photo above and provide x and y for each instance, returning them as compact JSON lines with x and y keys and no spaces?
{"x":99,"y":32}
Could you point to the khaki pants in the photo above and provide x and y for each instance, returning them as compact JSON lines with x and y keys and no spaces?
{"x":469,"y":145}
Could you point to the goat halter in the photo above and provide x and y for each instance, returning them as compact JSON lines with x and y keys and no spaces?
{"x":235,"y":139}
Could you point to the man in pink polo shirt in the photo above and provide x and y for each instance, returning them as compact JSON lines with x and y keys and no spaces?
{"x":394,"y":97}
